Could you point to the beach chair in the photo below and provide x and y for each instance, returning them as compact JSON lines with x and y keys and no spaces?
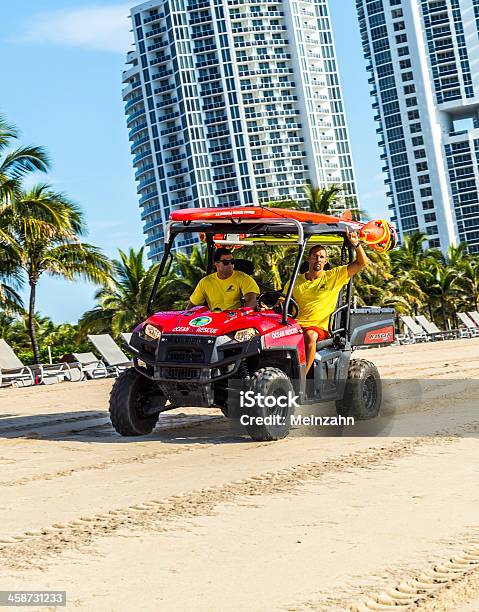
{"x":91,"y":367}
{"x":14,"y":373}
{"x":474,"y":316}
{"x":471,"y":329}
{"x":126,"y":337}
{"x":413,"y":329}
{"x":115,"y":358}
{"x":433,"y":330}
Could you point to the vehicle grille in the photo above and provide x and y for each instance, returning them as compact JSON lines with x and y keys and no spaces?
{"x":184,"y":339}
{"x":186,"y":356}
{"x":182,"y":373}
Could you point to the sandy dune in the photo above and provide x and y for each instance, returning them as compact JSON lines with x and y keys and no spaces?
{"x":196,"y":517}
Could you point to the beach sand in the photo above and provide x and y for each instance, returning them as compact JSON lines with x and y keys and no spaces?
{"x":197,"y":517}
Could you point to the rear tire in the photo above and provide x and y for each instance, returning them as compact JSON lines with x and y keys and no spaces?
{"x":127,"y":399}
{"x":363,"y":392}
{"x":269,"y":382}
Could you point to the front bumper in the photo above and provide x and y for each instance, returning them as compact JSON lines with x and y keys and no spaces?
{"x":181,"y":358}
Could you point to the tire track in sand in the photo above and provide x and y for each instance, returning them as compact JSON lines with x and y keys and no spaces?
{"x":173,"y":423}
{"x":440,"y":587}
{"x":33,"y":548}
{"x":49,"y":421}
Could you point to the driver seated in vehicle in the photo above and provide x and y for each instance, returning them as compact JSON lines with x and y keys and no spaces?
{"x":224,"y":289}
{"x":316,"y":293}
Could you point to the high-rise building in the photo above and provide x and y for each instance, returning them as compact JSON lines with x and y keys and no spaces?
{"x":232,"y":102}
{"x":424,"y":64}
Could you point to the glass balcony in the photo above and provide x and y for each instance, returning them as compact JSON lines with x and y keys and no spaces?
{"x":217,"y":133}
{"x":171,"y":130}
{"x":203,"y":33}
{"x":136,"y":143}
{"x":212,"y":105}
{"x":177,"y":172}
{"x":152,"y":18}
{"x":218,"y":119}
{"x":142,"y":170}
{"x":224,"y":177}
{"x":193,"y":6}
{"x":168,"y":102}
{"x":146,"y":182}
{"x":227,"y":161}
{"x":163,"y":88}
{"x":148,"y":196}
{"x":138,"y":113}
{"x":159,"y":45}
{"x":155,"y":32}
{"x":169,"y":116}
{"x":141,"y":156}
{"x":160,"y":60}
{"x":181,"y":200}
{"x":132,"y":102}
{"x":217,"y":149}
{"x":175,"y":158}
{"x":162,"y":73}
{"x":179,"y":186}
{"x":137,"y":129}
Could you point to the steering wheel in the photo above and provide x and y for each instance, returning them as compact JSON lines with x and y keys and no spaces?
{"x":269,"y":299}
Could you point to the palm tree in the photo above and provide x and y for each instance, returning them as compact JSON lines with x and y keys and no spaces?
{"x":16,"y":163}
{"x":124,"y":305}
{"x":42,"y":228}
{"x":470,"y":281}
{"x":10,"y":281}
{"x":189,"y":271}
{"x":380,"y":285}
{"x":321,"y":199}
{"x":444,"y":287}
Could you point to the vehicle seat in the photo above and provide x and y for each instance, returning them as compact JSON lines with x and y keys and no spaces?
{"x":324,"y":343}
{"x":244,"y":265}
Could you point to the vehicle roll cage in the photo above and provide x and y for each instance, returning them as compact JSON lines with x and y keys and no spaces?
{"x":280,"y":228}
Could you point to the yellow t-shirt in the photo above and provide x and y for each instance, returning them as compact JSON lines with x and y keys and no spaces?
{"x":317,"y":298}
{"x":224,"y":294}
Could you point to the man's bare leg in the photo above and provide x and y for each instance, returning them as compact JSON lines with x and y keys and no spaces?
{"x":310,"y":339}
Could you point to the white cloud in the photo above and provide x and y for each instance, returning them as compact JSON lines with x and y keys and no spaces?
{"x":98,"y":28}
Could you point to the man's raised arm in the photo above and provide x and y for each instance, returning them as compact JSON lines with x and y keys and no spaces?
{"x":361,"y":258}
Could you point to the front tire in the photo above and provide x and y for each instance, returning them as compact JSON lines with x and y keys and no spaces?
{"x":269,"y":382}
{"x":363,"y":393}
{"x":128,"y":398}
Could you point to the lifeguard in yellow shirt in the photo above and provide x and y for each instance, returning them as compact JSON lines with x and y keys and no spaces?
{"x":224,"y":289}
{"x":316,"y":293}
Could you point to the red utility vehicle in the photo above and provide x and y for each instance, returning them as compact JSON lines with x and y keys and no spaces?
{"x":204,"y":358}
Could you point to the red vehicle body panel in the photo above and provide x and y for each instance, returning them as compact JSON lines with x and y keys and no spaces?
{"x":380,"y":336}
{"x":203,"y":322}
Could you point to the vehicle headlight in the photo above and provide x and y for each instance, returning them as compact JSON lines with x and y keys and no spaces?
{"x":152,"y":332}
{"x":245,"y":334}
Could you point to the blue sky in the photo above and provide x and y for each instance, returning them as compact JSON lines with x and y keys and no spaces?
{"x":61,"y":86}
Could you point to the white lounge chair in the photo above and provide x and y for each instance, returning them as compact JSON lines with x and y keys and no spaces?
{"x":126,"y":337}
{"x":91,"y":366}
{"x":114,"y":357}
{"x":433,"y":330}
{"x":474,"y":316}
{"x":414,"y":330}
{"x":471,"y":329}
{"x":14,"y":373}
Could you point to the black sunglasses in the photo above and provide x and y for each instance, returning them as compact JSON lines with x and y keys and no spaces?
{"x":227,"y":262}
